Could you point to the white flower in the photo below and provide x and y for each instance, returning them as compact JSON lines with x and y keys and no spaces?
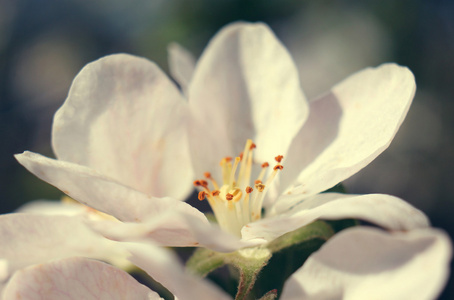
{"x":75,"y":278}
{"x":121,"y":143}
{"x":368,"y":263}
{"x":82,"y":278}
{"x":358,"y":263}
{"x":123,"y":149}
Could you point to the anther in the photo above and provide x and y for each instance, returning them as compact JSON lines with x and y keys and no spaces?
{"x":241,"y":155}
{"x":202,"y":195}
{"x":215,"y":193}
{"x":207,"y":175}
{"x":249,"y":190}
{"x":253,"y":146}
{"x":229,"y":196}
{"x":278,"y":167}
{"x":260,"y":187}
{"x":265,"y":165}
{"x":279,"y":158}
{"x":257,"y":181}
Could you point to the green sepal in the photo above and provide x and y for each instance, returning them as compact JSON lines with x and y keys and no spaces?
{"x":204,"y":261}
{"x":287,"y":253}
{"x":271,"y":295}
{"x":290,"y":251}
{"x":315,"y":230}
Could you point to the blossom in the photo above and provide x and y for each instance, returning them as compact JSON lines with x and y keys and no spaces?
{"x":82,"y":278}
{"x":357,"y":262}
{"x":123,"y":149}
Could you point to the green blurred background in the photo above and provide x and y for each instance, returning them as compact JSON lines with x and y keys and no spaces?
{"x":44,"y":43}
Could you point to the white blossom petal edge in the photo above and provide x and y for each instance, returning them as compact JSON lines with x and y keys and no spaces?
{"x":366,"y":263}
{"x":75,"y":278}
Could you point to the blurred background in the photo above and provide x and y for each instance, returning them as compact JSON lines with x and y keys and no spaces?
{"x":44,"y":43}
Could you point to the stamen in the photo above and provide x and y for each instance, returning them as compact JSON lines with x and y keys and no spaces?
{"x":234,"y":202}
{"x":202,"y":195}
{"x":241,"y":175}
{"x":208,"y":176}
{"x":260,"y":187}
{"x":226,"y":169}
{"x":232,"y":173}
{"x":265,"y":165}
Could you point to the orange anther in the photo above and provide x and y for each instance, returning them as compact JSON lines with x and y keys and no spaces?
{"x":207,"y":175}
{"x":249,"y":190}
{"x":215,"y":193}
{"x":228,"y":158}
{"x":278,"y":167}
{"x":257,"y":181}
{"x":253,"y":146}
{"x":265,"y":165}
{"x":260,"y":187}
{"x":203,"y":183}
{"x":229,"y":196}
{"x":279,"y":158}
{"x":241,"y":155}
{"x":202,"y":195}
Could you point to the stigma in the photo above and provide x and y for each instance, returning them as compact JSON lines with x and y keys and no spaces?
{"x":238,"y":200}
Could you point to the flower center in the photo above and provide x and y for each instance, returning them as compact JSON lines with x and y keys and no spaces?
{"x":235,"y":203}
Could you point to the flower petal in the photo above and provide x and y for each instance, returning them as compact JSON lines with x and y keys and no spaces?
{"x":245,"y":86}
{"x":124,"y":118}
{"x":48,"y":207}
{"x":165,"y":268}
{"x":29,"y":239}
{"x":181,"y":65}
{"x":75,"y":278}
{"x":383,"y":210}
{"x":175,"y":230}
{"x":100,"y":192}
{"x":360,"y":262}
{"x":348,"y":128}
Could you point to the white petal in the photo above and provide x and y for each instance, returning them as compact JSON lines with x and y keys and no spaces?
{"x":47,"y":207}
{"x":181,"y":65}
{"x":165,"y":268}
{"x":383,"y":210}
{"x":349,"y":127}
{"x":124,"y":118}
{"x":245,"y":86}
{"x":175,"y":230}
{"x":29,"y":238}
{"x":367,"y":263}
{"x":75,"y":278}
{"x":100,"y":192}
